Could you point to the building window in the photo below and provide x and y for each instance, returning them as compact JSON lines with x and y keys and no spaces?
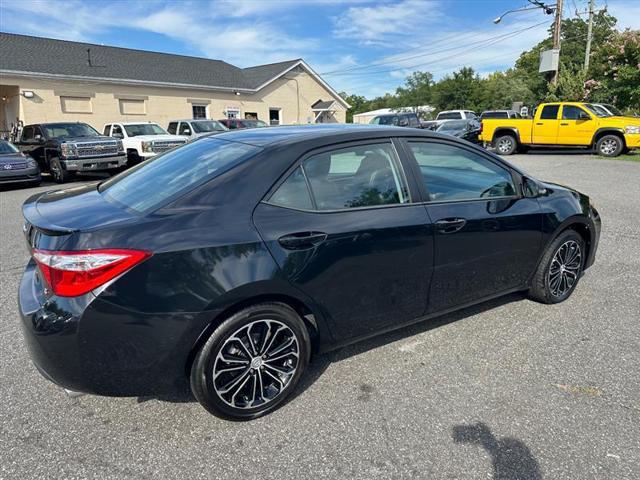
{"x":199,"y":111}
{"x":75,"y":104}
{"x":274,"y":116}
{"x":132,"y":107}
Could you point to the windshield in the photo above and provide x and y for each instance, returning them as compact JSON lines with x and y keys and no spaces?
{"x":452,"y":125}
{"x":253,"y":123}
{"x":60,"y":130}
{"x":449,"y":116}
{"x":159,"y":179}
{"x":144,"y":129}
{"x":202,"y":126}
{"x":7,"y":148}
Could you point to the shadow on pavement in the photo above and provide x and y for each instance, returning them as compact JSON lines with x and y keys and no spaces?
{"x":511,"y":458}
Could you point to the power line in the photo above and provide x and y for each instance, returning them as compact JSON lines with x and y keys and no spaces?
{"x":485,"y":43}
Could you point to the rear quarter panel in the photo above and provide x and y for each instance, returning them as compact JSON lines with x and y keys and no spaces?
{"x":523,"y":127}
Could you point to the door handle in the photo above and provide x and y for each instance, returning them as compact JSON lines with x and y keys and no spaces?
{"x":564,"y":124}
{"x":450,"y":225}
{"x":540,"y":123}
{"x":302,"y":240}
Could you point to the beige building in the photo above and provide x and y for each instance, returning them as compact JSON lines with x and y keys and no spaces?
{"x":46,"y":80}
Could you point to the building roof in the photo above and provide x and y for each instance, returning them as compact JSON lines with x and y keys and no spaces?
{"x":387,"y":111}
{"x":37,"y":56}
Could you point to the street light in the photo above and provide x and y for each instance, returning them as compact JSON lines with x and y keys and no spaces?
{"x":548,"y":9}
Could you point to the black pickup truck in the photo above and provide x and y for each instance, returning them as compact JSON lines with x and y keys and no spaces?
{"x":66,"y":148}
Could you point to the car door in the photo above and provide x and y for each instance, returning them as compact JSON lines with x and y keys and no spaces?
{"x":343,"y":230}
{"x":487,"y":235}
{"x":576,"y":126}
{"x":545,"y":127}
{"x":32,"y":143}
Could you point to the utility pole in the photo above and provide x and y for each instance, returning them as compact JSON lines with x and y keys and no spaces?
{"x":587,"y":52}
{"x":556,"y":37}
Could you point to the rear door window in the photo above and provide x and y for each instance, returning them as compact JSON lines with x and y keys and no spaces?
{"x":151,"y":184}
{"x":172,"y":128}
{"x":549,"y":112}
{"x":359,"y":176}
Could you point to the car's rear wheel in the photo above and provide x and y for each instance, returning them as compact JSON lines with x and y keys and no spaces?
{"x":560,"y":269}
{"x":252,"y":362}
{"x":609,"y":146}
{"x":59,"y":174}
{"x":506,"y":145}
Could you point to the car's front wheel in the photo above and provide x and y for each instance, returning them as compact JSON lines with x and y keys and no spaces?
{"x":609,"y":146}
{"x":59,"y":173}
{"x":252,"y":362}
{"x":560,"y":268}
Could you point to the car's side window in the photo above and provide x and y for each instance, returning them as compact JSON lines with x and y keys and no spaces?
{"x":107,"y":130}
{"x":173,"y":128}
{"x":350,"y":177}
{"x":452,"y":173}
{"x":549,"y":112}
{"x":27,"y":134}
{"x":184,"y":129}
{"x":571,"y":112}
{"x":293,"y":193}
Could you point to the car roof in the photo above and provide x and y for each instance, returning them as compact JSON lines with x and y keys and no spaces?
{"x":291,"y":134}
{"x":55,"y":123}
{"x":132,"y":123}
{"x":194,"y":120}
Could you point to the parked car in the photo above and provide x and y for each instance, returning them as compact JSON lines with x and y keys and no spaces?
{"x":611,"y":110}
{"x":564,"y":124}
{"x":499,"y":114}
{"x":449,"y":115}
{"x":397,"y":120}
{"x":16,"y":167}
{"x":65,"y":148}
{"x":340,"y":232}
{"x":195,"y":127}
{"x":464,"y":129}
{"x":239,"y":123}
{"x":143,"y":140}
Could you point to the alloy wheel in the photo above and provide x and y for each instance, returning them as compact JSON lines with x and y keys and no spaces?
{"x":256,"y":364}
{"x":608,"y":146}
{"x":505,"y":145}
{"x":565,"y":268}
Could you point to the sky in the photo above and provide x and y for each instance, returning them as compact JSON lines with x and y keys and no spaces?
{"x":358,"y":46}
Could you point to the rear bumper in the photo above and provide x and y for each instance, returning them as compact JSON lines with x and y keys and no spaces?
{"x":95,"y":163}
{"x":89,"y":345}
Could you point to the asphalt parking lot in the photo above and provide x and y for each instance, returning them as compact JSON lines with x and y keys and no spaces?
{"x":510,"y":389}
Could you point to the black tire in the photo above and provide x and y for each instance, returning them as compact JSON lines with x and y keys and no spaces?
{"x":542,"y":286}
{"x":132,"y":158}
{"x":224,"y":349}
{"x":609,"y":146}
{"x":59,"y":174}
{"x":505,"y":145}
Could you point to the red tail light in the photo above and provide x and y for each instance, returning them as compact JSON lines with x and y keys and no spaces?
{"x":73,"y":273}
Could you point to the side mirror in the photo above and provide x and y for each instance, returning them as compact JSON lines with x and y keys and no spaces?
{"x":38,"y":139}
{"x":583,"y":116}
{"x":403,"y":122}
{"x":186,"y":131}
{"x":532,"y":189}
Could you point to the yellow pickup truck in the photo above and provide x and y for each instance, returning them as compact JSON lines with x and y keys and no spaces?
{"x":563,"y":124}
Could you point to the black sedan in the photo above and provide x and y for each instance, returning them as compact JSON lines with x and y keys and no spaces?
{"x":466,"y":129}
{"x":16,"y":168}
{"x":229,"y":261}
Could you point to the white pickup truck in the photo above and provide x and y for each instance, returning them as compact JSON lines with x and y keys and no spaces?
{"x":143,"y":140}
{"x":446,"y":115}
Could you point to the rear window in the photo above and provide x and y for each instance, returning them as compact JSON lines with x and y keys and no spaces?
{"x":449,"y":116}
{"x":494,"y":115}
{"x":154,"y":182}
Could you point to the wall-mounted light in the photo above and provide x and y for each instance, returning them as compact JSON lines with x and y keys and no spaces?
{"x":28,"y":94}
{"x":236,"y":93}
{"x":4,"y":98}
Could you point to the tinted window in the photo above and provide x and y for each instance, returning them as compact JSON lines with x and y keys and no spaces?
{"x":385,"y":120}
{"x":155,"y":181}
{"x":494,"y":115}
{"x":107,"y":130}
{"x":293,"y":192}
{"x":358,"y":176}
{"x":144,"y":129}
{"x":449,"y":116}
{"x":571,"y":112}
{"x":27,"y":134}
{"x":185,"y":129}
{"x":173,"y":128}
{"x":59,"y":130}
{"x":453,"y":173}
{"x":549,"y":112}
